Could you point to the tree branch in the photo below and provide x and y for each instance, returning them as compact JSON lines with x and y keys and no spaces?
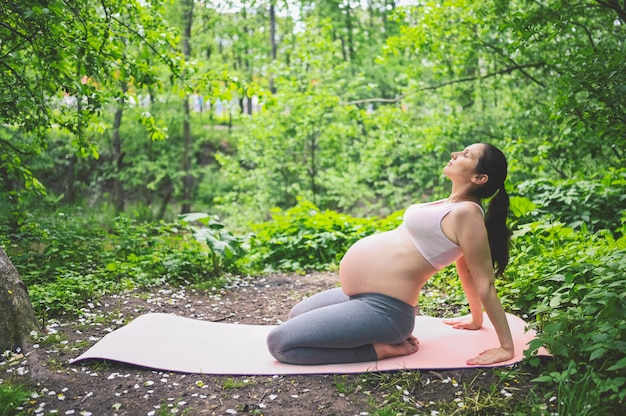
{"x":515,"y":64}
{"x":163,"y":58}
{"x":15,"y":48}
{"x":614,"y":5}
{"x":456,"y":81}
{"x":11,"y":146}
{"x":14,"y":30}
{"x":589,"y":35}
{"x":23,"y":83}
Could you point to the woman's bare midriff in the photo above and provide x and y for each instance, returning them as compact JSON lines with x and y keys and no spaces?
{"x":386,"y":263}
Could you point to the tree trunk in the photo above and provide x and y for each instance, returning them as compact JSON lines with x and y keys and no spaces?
{"x":165,"y":202}
{"x":187,"y":144}
{"x":187,"y":148}
{"x":118,"y":156}
{"x":249,"y":105}
{"x":17,"y":317}
{"x":313,"y":166}
{"x":349,"y":29}
{"x":70,"y":192}
{"x":273,"y":42}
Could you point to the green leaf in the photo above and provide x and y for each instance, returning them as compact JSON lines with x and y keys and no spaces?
{"x":543,"y":379}
{"x":618,"y":365}
{"x":194,"y":216}
{"x":597,"y":353}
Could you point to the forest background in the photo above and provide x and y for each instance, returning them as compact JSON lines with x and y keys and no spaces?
{"x":182,"y":142}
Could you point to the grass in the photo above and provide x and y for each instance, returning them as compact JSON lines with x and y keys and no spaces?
{"x":51,"y":340}
{"x":100,"y":365}
{"x":55,"y":365}
{"x":233,"y":383}
{"x":11,"y":397}
{"x":490,"y":392}
{"x":171,"y":409}
{"x":343,"y":384}
{"x":397,"y":390}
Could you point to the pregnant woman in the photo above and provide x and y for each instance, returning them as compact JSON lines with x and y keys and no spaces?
{"x":372,"y":315}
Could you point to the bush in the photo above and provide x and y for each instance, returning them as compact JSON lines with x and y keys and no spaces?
{"x":151,"y":254}
{"x":594,"y":203}
{"x":225,"y":249}
{"x":304,"y":238}
{"x":66,"y":260}
{"x":46,"y":245}
{"x":572,"y":283}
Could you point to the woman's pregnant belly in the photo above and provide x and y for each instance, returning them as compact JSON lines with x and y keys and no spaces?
{"x":385,"y":263}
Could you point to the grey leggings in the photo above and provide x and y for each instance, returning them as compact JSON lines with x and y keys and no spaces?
{"x":330,"y":328}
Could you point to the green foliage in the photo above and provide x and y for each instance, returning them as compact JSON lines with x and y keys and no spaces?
{"x":312,"y":147}
{"x":67,"y":260}
{"x":296,"y":150}
{"x":150,"y":254}
{"x":572,"y":284}
{"x":582,"y":390}
{"x":62,"y":64}
{"x":589,"y":202}
{"x":361,"y":121}
{"x":306,"y":238}
{"x":323,"y":140}
{"x":225,"y":249}
{"x":587,"y":97}
{"x":69,"y":293}
{"x":12,"y":396}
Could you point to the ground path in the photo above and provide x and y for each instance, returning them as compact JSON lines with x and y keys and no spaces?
{"x":105,"y":388}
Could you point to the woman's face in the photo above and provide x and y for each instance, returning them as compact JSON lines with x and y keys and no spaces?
{"x":463,"y":164}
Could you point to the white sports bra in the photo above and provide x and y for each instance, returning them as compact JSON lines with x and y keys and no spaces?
{"x":423,"y":223}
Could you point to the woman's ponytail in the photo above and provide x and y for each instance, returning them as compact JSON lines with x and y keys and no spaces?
{"x":493,"y":163}
{"x":497,"y":231}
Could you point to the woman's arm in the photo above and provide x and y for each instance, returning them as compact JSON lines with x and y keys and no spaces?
{"x":475,"y":319}
{"x":471,"y":235}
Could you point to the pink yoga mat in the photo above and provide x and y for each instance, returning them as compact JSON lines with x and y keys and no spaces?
{"x":173,"y":343}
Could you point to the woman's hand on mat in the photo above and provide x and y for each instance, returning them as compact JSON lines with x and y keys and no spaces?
{"x":464,"y":322}
{"x":491,"y":356}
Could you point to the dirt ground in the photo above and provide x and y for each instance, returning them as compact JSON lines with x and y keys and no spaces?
{"x":97,"y":387}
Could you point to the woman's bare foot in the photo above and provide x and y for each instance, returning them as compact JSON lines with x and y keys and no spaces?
{"x":395,"y":350}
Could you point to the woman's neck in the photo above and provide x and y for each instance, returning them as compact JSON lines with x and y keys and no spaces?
{"x":460,"y":196}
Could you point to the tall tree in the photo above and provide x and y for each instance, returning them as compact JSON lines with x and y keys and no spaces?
{"x":273,"y":42}
{"x":55,"y":56}
{"x":188,"y":180}
{"x":56,"y":60}
{"x":548,"y":74}
{"x":117,"y":154}
{"x":17,"y":317}
{"x":584,"y":46}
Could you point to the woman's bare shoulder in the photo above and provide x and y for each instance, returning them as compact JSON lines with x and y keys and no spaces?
{"x":468,"y":208}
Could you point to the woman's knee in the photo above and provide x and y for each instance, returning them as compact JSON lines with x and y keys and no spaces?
{"x":319,"y":300}
{"x":275,"y":344}
{"x":295,"y":311}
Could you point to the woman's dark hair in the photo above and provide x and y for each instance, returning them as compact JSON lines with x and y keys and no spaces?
{"x":493,"y":163}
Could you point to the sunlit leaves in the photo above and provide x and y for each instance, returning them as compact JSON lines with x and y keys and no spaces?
{"x":63,"y":62}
